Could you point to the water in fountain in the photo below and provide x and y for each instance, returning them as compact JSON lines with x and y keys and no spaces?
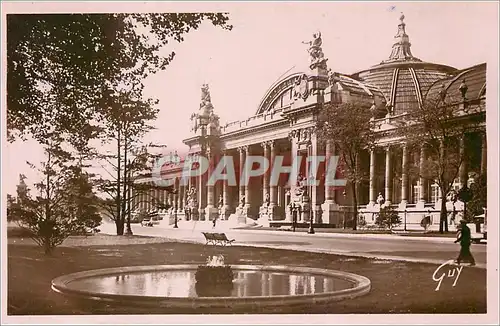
{"x":215,"y":278}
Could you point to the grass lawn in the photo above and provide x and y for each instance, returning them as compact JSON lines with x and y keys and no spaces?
{"x":397,"y":287}
{"x":363,"y":231}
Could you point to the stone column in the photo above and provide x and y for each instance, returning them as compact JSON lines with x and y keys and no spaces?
{"x":423,"y":186}
{"x":315,"y":171}
{"x":273,"y":188}
{"x":211,"y":211}
{"x":442,"y":153}
{"x":404,"y":179}
{"x":263,"y":213}
{"x":388,"y":176}
{"x":166,"y":197}
{"x":202,"y":195}
{"x":463,"y":166}
{"x":182,"y":189}
{"x":484,"y":157}
{"x":247,"y":186}
{"x":226,"y":206}
{"x":373,"y":191}
{"x":189,"y":185}
{"x":176,"y":194}
{"x":131,"y":201}
{"x":330,"y":207}
{"x":242,"y":151}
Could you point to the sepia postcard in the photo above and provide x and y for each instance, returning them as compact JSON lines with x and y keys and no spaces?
{"x":249,"y":162}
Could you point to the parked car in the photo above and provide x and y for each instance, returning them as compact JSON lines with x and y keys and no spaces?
{"x":477,"y":232}
{"x":150,"y":221}
{"x":135,"y":218}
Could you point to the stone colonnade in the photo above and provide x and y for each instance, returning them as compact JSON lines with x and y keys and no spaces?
{"x":326,"y":202}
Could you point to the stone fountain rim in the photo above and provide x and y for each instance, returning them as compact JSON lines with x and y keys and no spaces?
{"x":362,"y":286}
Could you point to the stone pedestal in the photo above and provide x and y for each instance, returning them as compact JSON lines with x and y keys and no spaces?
{"x":211,"y":213}
{"x":271,"y":211}
{"x":195,"y":216}
{"x":264,"y":217}
{"x":306,"y":212}
{"x":420,"y":204}
{"x":264,"y":220}
{"x":317,"y":214}
{"x":201,"y":214}
{"x":402,"y":205}
{"x":225,"y":212}
{"x":331,"y":214}
{"x":241,"y":214}
{"x":288,"y":214}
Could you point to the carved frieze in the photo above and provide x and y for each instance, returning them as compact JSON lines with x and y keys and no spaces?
{"x":301,"y":87}
{"x":302,"y":135}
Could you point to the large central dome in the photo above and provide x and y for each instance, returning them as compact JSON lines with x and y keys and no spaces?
{"x":404,"y":79}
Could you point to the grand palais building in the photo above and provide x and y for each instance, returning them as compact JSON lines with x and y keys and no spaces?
{"x":284,"y":124}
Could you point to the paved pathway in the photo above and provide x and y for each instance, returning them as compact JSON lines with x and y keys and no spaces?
{"x":384,"y":246}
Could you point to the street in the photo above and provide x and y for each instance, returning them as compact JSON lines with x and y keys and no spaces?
{"x":433,"y":250}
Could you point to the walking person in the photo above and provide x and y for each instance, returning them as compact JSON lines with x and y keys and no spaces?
{"x":464,"y":237}
{"x":294,"y":216}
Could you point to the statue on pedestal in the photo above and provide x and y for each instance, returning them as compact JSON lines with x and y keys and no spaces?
{"x":206,"y":107}
{"x":192,"y":197}
{"x":242,"y":201}
{"x":267,"y":200}
{"x":317,"y":57}
{"x":301,"y":186}
{"x":194,"y":122}
{"x":221,"y":202}
{"x":380,"y":199}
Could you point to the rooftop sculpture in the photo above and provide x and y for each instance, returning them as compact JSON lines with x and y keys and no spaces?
{"x":317,"y":57}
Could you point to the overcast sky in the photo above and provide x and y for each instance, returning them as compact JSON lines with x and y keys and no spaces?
{"x":265,"y":43}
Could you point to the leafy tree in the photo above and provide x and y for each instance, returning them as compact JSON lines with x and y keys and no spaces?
{"x":349,"y":128}
{"x":79,"y":77}
{"x":123,"y":128}
{"x":438,"y":124}
{"x":63,"y":207}
{"x":62,"y":68}
{"x":11,"y":203}
{"x":388,"y":218}
{"x":479,"y":201}
{"x":80,"y":201}
{"x":14,"y":204}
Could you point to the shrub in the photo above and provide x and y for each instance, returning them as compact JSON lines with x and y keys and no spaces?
{"x":388,"y":218}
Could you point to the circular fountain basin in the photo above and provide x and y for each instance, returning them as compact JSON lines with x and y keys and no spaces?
{"x":174,"y":287}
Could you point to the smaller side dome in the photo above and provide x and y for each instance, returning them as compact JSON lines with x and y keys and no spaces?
{"x":471,"y":81}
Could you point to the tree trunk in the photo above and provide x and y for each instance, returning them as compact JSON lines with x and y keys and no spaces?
{"x":355,"y":207}
{"x":47,"y":247}
{"x":443,"y":215}
{"x":119,"y":227}
{"x":119,"y":222}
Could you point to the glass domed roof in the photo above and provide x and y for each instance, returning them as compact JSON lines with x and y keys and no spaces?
{"x":404,"y":79}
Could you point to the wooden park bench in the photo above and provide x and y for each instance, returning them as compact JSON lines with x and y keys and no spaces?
{"x":217,"y":239}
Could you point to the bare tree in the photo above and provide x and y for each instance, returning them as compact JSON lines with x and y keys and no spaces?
{"x":349,"y":127}
{"x":440,"y":124}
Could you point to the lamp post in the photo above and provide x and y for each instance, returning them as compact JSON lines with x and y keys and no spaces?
{"x":310,"y":193}
{"x":129,"y":177}
{"x":129,"y":181}
{"x":465,"y":195}
{"x":405,"y":218}
{"x":344,"y":193}
{"x":176,"y":203}
{"x":175,"y":218}
{"x":311,"y":220}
